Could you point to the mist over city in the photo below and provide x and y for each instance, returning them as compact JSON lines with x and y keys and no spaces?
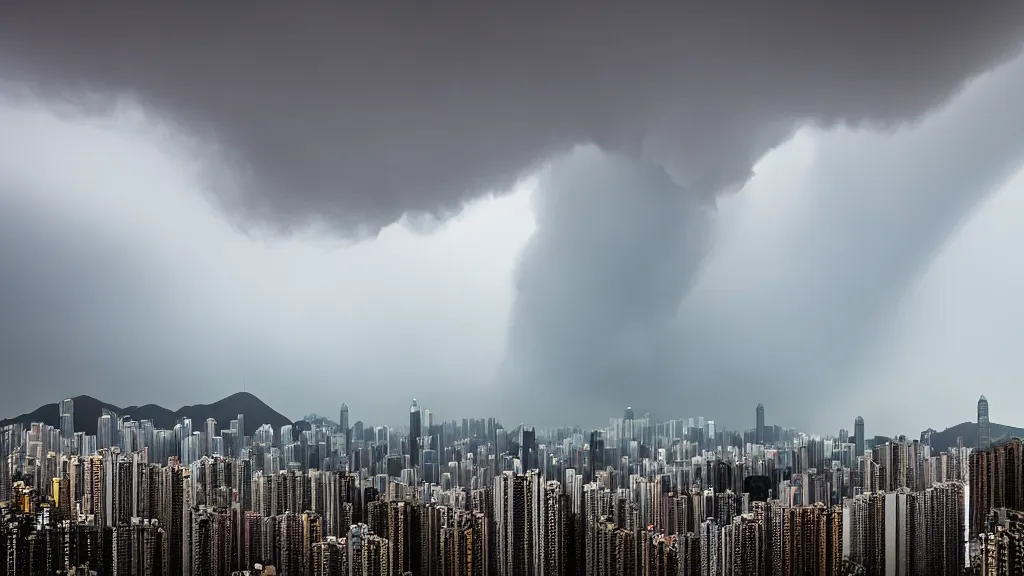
{"x":596,"y":242}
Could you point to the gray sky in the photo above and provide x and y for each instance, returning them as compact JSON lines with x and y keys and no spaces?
{"x":176,"y":221}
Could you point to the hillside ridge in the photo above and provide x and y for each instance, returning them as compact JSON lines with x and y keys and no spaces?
{"x":88,"y":410}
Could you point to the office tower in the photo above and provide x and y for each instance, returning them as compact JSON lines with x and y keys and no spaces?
{"x":67,"y":419}
{"x":343,"y":425}
{"x":984,"y":432}
{"x":414,"y":434}
{"x":210,"y":431}
{"x":528,"y":449}
{"x":241,"y":431}
{"x":628,"y":414}
{"x":759,"y":429}
{"x":104,"y":432}
{"x":858,"y":436}
{"x":287,"y":435}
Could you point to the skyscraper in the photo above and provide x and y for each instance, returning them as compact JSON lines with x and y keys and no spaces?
{"x":104,"y":432}
{"x":759,"y":431}
{"x":858,"y":435}
{"x":628,"y":414}
{"x":414,"y":434}
{"x":67,"y":418}
{"x":984,"y":433}
{"x":211,"y":432}
{"x":343,"y":424}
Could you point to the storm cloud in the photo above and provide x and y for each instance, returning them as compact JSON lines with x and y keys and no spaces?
{"x":355,"y":118}
{"x":805,"y":302}
{"x":358,"y":116}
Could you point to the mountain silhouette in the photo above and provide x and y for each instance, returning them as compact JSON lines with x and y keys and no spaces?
{"x":89,"y":409}
{"x":968,"y":431}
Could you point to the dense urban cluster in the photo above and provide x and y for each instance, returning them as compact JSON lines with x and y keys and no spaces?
{"x":679,"y":497}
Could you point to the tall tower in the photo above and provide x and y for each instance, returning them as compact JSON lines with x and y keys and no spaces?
{"x":343,"y":424}
{"x":759,"y":431}
{"x":858,"y":435}
{"x":414,"y":434}
{"x":67,"y":418}
{"x":984,"y":432}
{"x":211,"y":431}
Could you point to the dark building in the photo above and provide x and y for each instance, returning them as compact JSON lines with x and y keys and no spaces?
{"x":529,"y":449}
{"x":759,"y":430}
{"x":996,"y":481}
{"x":858,"y":435}
{"x":414,"y":434}
{"x":759,"y":488}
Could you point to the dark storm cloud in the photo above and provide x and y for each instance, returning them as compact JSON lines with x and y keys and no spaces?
{"x":357,"y":117}
{"x":874,"y":209}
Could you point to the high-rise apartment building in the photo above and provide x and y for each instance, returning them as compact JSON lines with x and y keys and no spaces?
{"x":148,"y":548}
{"x":376,"y":556}
{"x":996,"y":481}
{"x":743,"y":546}
{"x":514,"y":506}
{"x":330,"y":557}
{"x":1001,"y":544}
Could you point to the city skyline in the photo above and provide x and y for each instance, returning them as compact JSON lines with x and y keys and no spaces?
{"x":419,"y":416}
{"x":636,"y":497}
